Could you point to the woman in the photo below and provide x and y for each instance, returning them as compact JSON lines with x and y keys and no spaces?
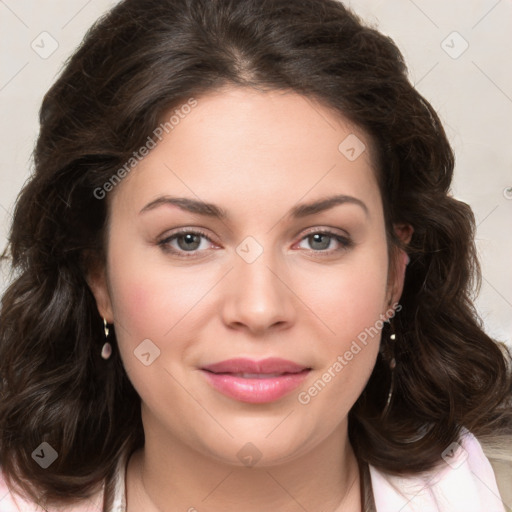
{"x":242,"y":281}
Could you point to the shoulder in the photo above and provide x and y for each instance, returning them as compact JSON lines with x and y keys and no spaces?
{"x":464,"y":481}
{"x":499,"y":452}
{"x":13,"y":502}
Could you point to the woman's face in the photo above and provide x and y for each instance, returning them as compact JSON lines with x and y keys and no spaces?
{"x":256,"y":283}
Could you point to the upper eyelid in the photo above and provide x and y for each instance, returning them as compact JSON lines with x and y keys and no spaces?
{"x":327,"y":230}
{"x":186,"y":231}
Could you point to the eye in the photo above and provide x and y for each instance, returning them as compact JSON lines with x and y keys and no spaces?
{"x":185,"y":241}
{"x":322,"y":241}
{"x":189,"y":243}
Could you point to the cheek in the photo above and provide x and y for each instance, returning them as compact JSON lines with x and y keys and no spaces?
{"x":352,"y":309}
{"x":149,"y":303}
{"x":349,"y":298}
{"x":135,"y":304}
{"x":148,"y":314}
{"x":363,"y":299}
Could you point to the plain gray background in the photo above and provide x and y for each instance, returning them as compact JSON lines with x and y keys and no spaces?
{"x":458,"y":53}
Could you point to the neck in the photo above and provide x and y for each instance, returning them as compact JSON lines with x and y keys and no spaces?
{"x":169,"y":476}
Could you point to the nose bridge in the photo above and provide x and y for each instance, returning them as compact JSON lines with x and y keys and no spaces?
{"x":258,"y":298}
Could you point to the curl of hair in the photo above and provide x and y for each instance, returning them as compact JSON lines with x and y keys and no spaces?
{"x":144,"y":58}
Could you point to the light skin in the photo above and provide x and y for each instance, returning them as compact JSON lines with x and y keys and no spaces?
{"x":257,"y":155}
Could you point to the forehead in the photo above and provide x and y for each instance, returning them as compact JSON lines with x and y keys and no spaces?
{"x":242,"y":142}
{"x":265,"y":119}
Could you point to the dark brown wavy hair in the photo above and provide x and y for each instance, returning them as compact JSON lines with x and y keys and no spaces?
{"x":144,"y":58}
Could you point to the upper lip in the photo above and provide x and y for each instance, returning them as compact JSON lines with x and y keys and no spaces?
{"x":243,"y":365}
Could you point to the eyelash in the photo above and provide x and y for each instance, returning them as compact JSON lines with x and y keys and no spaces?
{"x":345,"y":242}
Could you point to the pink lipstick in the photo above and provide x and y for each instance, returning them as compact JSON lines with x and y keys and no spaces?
{"x":251,"y":381}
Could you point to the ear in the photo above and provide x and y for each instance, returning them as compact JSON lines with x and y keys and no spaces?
{"x":96,"y":278}
{"x":404,"y":232}
{"x":399,"y":266}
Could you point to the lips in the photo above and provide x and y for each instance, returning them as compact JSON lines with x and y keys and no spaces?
{"x":255,"y":382}
{"x":247,"y":368}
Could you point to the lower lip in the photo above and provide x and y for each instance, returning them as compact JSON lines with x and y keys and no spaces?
{"x":256,"y":391}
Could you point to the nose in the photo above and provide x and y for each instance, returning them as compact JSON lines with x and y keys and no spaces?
{"x":257,"y":297}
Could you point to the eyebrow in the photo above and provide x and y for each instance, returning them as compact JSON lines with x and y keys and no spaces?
{"x":214,"y":211}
